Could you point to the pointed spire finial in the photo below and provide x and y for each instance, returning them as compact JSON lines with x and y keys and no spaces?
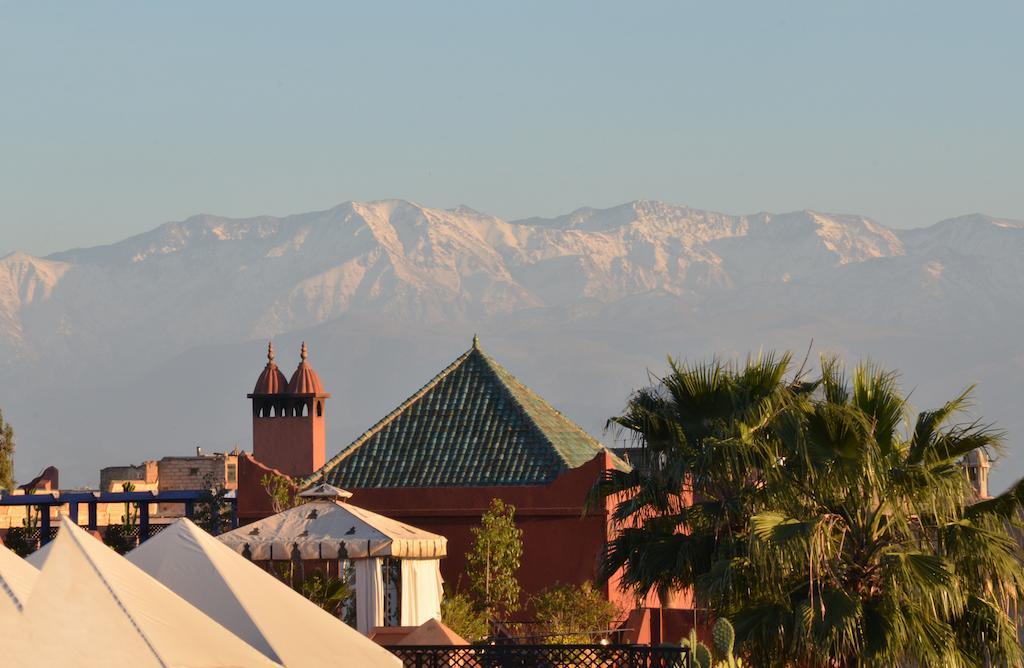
{"x":476,"y":342}
{"x":270,"y":351}
{"x":304,"y":353}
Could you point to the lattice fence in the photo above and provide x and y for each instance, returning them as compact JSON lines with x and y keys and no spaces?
{"x":542,"y":656}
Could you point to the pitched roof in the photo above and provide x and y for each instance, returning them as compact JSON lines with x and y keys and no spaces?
{"x":324,"y":529}
{"x":474,"y":424}
{"x":251,"y":603}
{"x":17,"y":577}
{"x":92,"y":607}
{"x":433,"y":632}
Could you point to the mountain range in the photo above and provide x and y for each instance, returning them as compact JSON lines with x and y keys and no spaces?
{"x":147,"y":347}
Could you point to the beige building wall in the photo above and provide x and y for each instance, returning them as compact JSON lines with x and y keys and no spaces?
{"x":195,"y":472}
{"x":144,"y":477}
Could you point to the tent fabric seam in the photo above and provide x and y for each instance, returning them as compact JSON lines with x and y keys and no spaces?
{"x":120,"y":604}
{"x":10,"y":594}
{"x":234,"y":592}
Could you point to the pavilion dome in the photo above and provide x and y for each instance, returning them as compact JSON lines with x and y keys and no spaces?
{"x":271,"y":381}
{"x":305,"y":380}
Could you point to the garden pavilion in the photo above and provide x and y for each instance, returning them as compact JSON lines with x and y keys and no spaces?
{"x":394,"y":567}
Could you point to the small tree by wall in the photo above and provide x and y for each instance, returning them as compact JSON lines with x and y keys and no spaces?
{"x":213,"y":510}
{"x":123,"y":537}
{"x":6,"y":455}
{"x":493,"y":561}
{"x":280,"y":490}
{"x":325,"y":591}
{"x":24,"y":540}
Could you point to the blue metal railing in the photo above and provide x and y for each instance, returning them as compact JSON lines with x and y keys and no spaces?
{"x":73,"y":500}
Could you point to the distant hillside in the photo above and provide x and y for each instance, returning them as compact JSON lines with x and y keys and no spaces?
{"x":148,"y":346}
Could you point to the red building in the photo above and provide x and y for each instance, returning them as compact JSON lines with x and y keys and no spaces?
{"x":288,"y":418}
{"x":471,"y":434}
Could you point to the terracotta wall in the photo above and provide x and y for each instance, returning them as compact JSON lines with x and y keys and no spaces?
{"x":253,"y":502}
{"x":294,"y":445}
{"x":562,"y":542}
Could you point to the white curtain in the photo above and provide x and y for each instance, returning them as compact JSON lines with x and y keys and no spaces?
{"x":421,"y":591}
{"x":369,"y":595}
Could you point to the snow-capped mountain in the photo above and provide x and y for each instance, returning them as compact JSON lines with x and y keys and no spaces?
{"x":146,"y":346}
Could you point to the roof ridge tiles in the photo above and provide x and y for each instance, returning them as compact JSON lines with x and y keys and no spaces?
{"x":473,"y":424}
{"x":491,"y":364}
{"x":384,"y":421}
{"x":500,"y":370}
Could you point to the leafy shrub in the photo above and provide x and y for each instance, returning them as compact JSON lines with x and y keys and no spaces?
{"x":574,"y":613}
{"x":22,"y":540}
{"x":325,"y":591}
{"x":461,"y":615}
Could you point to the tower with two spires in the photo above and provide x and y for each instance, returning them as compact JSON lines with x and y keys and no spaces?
{"x":288,"y":418}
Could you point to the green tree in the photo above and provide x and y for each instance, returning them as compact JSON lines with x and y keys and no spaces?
{"x":574,"y":613}
{"x":213,"y":510}
{"x":123,"y":537}
{"x":833,"y":526}
{"x":494,"y":559}
{"x":281,"y":491}
{"x":325,"y":591}
{"x":6,"y":455}
{"x":24,"y":540}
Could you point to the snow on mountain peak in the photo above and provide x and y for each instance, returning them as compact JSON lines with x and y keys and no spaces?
{"x":604,"y":292}
{"x":415,"y":262}
{"x":974,"y":234}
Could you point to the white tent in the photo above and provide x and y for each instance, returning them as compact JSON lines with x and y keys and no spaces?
{"x":17,"y":577}
{"x":38,"y":558}
{"x":328,"y":528}
{"x":253,"y":604}
{"x":91,"y":607}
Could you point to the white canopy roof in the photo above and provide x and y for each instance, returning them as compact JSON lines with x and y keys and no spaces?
{"x":325,"y":491}
{"x":253,"y":604}
{"x":17,"y":577}
{"x":323,"y":529}
{"x":91,"y":607}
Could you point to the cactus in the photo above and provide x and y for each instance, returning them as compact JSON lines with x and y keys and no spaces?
{"x":724,"y":638}
{"x":700,"y":654}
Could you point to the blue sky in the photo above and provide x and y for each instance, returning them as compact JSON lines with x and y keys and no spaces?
{"x":115,"y":117}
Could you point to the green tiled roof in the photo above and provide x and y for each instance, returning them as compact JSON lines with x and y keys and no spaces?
{"x":474,"y":424}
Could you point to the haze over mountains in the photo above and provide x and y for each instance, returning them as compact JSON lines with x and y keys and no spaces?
{"x":147,"y":347}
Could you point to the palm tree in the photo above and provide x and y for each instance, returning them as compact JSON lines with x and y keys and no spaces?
{"x":707,"y":431}
{"x":832,"y":528}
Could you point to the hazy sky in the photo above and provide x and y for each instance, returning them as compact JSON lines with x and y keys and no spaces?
{"x":115,"y":117}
